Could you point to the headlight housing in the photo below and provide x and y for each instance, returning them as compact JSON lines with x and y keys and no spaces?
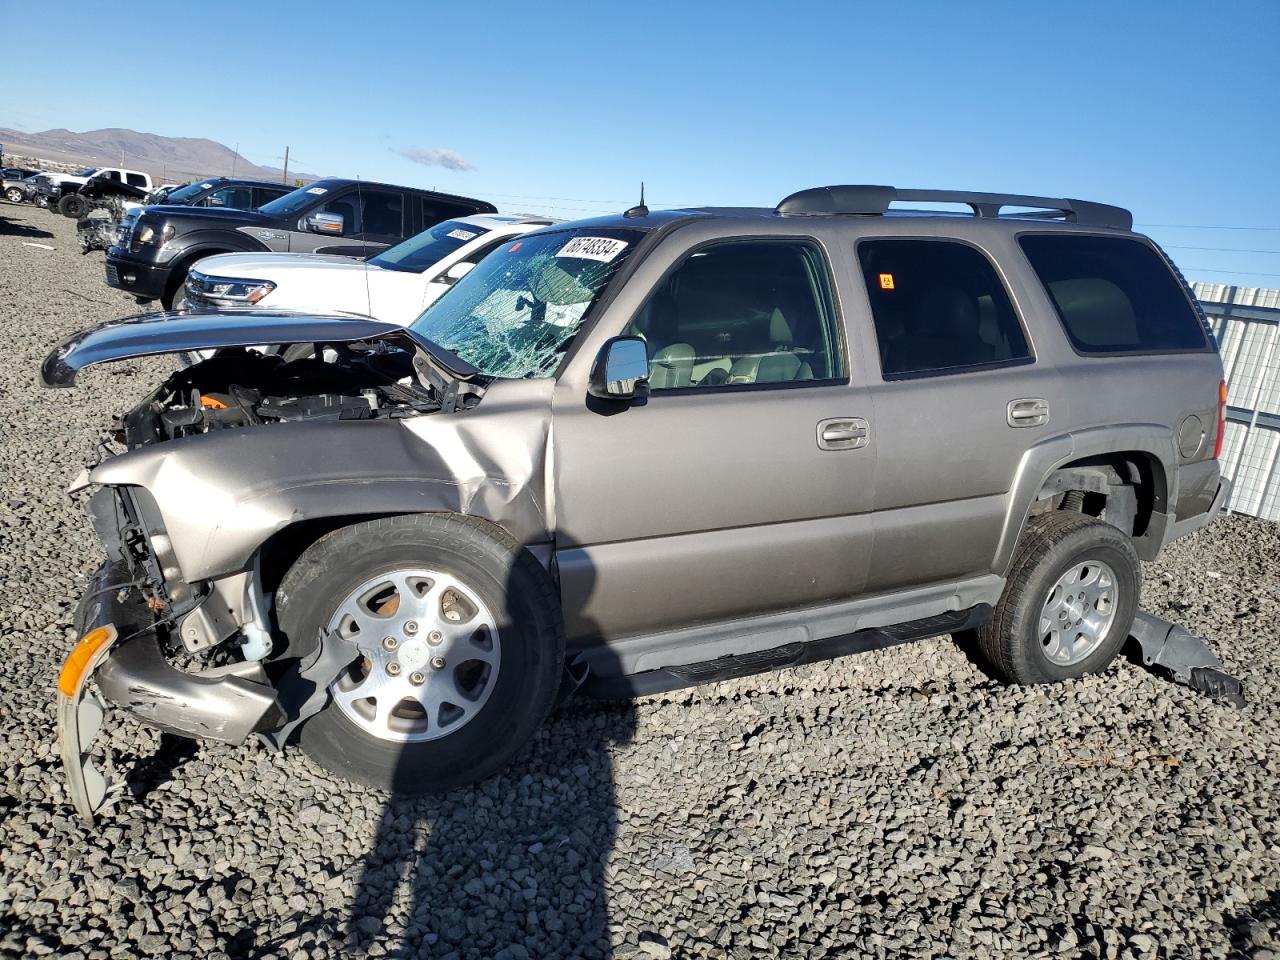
{"x":152,"y":234}
{"x":226,"y":291}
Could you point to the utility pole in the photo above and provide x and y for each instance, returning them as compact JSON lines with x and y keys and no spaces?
{"x":234,"y":157}
{"x":285,"y":177}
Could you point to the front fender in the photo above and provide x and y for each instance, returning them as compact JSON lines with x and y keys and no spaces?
{"x":207,"y":243}
{"x":222,"y":495}
{"x":1051,"y":453}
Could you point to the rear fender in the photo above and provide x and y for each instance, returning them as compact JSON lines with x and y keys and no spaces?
{"x":1039,"y":462}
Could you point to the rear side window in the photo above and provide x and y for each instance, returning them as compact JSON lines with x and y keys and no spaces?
{"x":263,"y":195}
{"x":1114,"y":295}
{"x":939,"y":308}
{"x":135,"y":179}
{"x":435,"y":210}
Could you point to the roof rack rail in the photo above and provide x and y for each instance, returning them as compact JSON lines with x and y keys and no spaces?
{"x":870,"y":200}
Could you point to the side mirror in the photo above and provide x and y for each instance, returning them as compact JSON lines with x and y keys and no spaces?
{"x":330,"y":223}
{"x":621,"y":371}
{"x":456,"y":272}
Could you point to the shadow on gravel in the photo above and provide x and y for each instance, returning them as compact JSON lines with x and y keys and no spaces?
{"x":1255,"y":930}
{"x":512,"y":872}
{"x":511,"y":868}
{"x":10,"y":229}
{"x":146,"y":774}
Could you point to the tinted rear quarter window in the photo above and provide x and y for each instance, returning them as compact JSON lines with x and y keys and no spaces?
{"x":1114,"y":294}
{"x":939,"y":308}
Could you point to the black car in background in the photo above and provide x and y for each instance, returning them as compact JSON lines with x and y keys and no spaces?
{"x":231,"y":193}
{"x":334,"y":216}
{"x":237,"y":193}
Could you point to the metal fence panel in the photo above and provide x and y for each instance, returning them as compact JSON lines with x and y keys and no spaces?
{"x":1246,"y":322}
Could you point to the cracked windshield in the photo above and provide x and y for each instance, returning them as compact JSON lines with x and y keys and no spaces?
{"x":516,"y":313}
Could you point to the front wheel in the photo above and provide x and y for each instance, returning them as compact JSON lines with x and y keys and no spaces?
{"x":73,"y":206}
{"x":457,"y":649}
{"x":1069,"y":601}
{"x":13,"y":195}
{"x":42,"y":201}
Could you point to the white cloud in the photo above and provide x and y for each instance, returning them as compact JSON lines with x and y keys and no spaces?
{"x":436,"y":157}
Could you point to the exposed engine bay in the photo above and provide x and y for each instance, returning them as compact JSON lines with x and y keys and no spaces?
{"x":242,"y":387}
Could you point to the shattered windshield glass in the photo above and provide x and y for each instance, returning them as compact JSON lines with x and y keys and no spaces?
{"x":517,"y":311}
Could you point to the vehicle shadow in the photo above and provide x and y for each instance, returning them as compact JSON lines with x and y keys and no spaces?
{"x":512,"y":867}
{"x":1255,"y":929}
{"x":10,"y":229}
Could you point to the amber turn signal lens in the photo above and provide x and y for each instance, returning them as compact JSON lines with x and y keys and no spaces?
{"x":76,"y":667}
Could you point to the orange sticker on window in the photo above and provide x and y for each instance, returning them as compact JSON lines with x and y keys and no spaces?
{"x":886,"y":281}
{"x":515,"y":246}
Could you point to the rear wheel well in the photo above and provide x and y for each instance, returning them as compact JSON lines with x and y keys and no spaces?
{"x":1123,"y":488}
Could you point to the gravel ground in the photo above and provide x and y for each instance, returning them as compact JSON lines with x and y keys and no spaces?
{"x":895,"y":804}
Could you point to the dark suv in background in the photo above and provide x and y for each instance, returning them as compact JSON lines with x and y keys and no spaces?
{"x":345,"y":217}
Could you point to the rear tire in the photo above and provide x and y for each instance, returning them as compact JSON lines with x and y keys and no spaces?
{"x":13,"y":195}
{"x":505,"y":582}
{"x":1072,"y":592}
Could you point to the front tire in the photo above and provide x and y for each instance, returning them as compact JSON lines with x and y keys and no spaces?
{"x":1069,"y":601}
{"x":73,"y":206}
{"x":460,"y":649}
{"x":13,"y":195}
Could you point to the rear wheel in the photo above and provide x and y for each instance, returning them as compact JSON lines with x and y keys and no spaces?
{"x":1069,"y":602}
{"x":13,"y":195}
{"x":457,"y":649}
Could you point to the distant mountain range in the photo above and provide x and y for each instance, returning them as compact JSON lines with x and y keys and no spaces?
{"x":168,"y":159}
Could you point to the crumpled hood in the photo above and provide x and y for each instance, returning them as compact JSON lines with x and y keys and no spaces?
{"x":265,"y":266}
{"x":158,"y":333}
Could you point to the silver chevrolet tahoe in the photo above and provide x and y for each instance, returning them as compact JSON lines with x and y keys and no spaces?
{"x":639,"y":452}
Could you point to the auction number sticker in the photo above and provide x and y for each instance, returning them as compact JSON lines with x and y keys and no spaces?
{"x":318,"y":190}
{"x":462,"y":234}
{"x":603,"y":249}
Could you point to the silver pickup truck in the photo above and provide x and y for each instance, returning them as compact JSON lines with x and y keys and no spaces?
{"x":638,"y":452}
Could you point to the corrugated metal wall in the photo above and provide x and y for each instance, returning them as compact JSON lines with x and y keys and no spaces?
{"x":1246,"y":321}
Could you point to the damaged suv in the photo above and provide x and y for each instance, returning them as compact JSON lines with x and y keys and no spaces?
{"x":640,"y":452}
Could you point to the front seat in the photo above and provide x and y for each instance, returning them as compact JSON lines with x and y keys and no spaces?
{"x":670,"y":364}
{"x":945,"y":331}
{"x":781,"y":365}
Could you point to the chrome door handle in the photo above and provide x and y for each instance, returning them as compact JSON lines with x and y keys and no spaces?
{"x":843,"y":433}
{"x":1028,"y":412}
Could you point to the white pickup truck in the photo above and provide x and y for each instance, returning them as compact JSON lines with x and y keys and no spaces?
{"x":395,"y":286}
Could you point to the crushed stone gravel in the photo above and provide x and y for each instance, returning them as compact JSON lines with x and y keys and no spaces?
{"x":896,"y":804}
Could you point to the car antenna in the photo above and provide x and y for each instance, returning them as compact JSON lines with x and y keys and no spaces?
{"x":364,"y":245}
{"x":639,"y":210}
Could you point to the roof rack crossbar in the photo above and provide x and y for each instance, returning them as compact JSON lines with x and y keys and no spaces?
{"x":869,"y":200}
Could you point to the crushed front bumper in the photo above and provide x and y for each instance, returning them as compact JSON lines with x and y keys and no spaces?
{"x":120,"y":652}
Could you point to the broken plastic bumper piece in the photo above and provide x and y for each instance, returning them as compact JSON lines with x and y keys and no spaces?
{"x":1186,"y":656}
{"x":120,"y":652}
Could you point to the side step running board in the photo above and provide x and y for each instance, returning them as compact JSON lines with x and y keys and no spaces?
{"x":788,"y":655}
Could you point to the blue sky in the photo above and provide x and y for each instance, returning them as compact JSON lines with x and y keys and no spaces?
{"x":1169,"y":108}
